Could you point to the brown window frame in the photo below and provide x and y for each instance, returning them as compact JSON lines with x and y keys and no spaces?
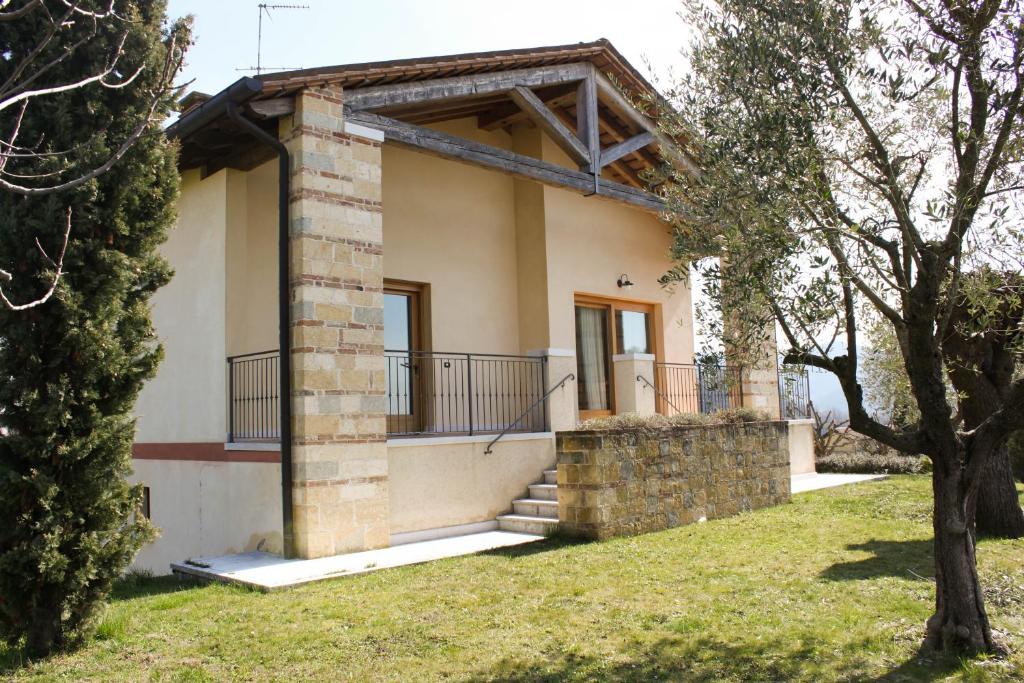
{"x":655,"y":335}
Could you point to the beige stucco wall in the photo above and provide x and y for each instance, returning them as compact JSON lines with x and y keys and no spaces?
{"x":801,"y":446}
{"x":453,"y":226}
{"x":252,"y":261}
{"x":504,"y":257}
{"x":221,"y":301}
{"x":590,"y":243}
{"x":209,"y":508}
{"x":185,"y":401}
{"x":438,"y":483}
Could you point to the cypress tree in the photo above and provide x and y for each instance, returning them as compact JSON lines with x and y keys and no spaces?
{"x":73,"y":366}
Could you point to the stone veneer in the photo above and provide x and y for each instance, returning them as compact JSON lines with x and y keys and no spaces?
{"x":340,"y":465}
{"x":627,"y":482}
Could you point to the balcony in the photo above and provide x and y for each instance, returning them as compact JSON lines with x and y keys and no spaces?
{"x":707,"y":388}
{"x":427,"y":394}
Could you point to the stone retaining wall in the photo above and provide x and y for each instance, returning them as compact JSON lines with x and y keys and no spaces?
{"x":627,"y":482}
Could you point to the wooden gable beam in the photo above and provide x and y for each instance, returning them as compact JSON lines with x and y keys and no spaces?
{"x":550,"y":124}
{"x":624,"y":108}
{"x":628,"y":146}
{"x":620,"y":166}
{"x":506,"y":113}
{"x":470,"y":85}
{"x":588,"y":119}
{"x":468,"y":151}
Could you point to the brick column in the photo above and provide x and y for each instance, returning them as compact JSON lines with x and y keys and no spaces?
{"x":631,"y":394}
{"x":340,"y":466}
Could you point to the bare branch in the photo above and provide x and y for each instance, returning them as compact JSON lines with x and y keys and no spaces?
{"x":12,"y":14}
{"x":58,"y":264}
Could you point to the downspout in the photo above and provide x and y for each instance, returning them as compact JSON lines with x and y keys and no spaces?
{"x":283,"y":315}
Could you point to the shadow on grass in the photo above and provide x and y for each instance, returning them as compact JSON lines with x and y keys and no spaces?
{"x":710,"y":659}
{"x":141,"y":586}
{"x":901,"y":559}
{"x":553,"y":542}
{"x":127,"y":588}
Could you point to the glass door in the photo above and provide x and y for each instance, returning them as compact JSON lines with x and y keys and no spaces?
{"x":401,"y":342}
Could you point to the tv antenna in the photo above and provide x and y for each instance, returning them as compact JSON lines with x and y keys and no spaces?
{"x":264,"y":8}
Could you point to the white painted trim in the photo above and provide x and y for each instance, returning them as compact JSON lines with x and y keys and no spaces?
{"x":443,"y":532}
{"x":252,"y":446}
{"x":411,"y":441}
{"x":801,"y":421}
{"x":361,"y":131}
{"x":557,"y":353}
{"x":648,"y":357}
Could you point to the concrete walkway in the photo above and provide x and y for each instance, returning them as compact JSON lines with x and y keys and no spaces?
{"x":801,"y":483}
{"x":268,"y":572}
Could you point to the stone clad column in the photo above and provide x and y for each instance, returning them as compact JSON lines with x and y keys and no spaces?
{"x":340,"y":466}
{"x":633,"y":395}
{"x":755,"y":350}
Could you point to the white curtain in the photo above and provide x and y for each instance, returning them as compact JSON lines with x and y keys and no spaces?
{"x":592,"y":357}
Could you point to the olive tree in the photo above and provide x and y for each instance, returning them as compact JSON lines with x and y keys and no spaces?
{"x":857,"y":159}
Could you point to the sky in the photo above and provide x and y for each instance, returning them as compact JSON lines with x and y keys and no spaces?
{"x":351,"y":31}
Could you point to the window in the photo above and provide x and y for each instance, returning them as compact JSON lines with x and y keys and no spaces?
{"x":145,"y":502}
{"x":633,"y":331}
{"x":603,"y":327}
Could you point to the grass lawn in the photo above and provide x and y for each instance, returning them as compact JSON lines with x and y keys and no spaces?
{"x":834,"y":586}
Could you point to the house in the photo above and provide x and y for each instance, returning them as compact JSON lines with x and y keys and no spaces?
{"x":448,"y":250}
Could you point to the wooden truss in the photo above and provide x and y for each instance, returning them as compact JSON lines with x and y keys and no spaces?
{"x":381,"y":107}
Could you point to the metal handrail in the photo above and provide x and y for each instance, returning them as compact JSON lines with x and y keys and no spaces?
{"x":249,"y":355}
{"x":641,"y":378}
{"x":461,"y":353}
{"x":526,"y":412}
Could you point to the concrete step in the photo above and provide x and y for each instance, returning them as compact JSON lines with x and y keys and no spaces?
{"x":550,"y":476}
{"x":544,"y":491}
{"x":536,"y":507}
{"x":523,"y":524}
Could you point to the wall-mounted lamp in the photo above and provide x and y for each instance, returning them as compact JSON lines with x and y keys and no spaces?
{"x":624,"y":282}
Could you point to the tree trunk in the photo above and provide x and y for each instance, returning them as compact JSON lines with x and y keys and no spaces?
{"x":997,"y":510}
{"x":43,"y":635}
{"x":960,"y":623}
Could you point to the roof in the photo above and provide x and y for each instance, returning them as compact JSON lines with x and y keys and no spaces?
{"x":210,"y":140}
{"x":601,"y":53}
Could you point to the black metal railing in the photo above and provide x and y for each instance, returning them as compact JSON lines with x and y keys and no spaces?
{"x":794,"y":392}
{"x":464,"y":393}
{"x":254,"y":394}
{"x":701,"y":388}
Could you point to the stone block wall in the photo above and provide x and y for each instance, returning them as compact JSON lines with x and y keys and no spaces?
{"x":627,"y":482}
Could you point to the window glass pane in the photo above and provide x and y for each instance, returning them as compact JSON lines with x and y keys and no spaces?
{"x":397,"y":335}
{"x":592,"y":358}
{"x":631,"y":328}
{"x":396,"y":322}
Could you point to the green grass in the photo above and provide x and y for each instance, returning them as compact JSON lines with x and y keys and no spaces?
{"x":834,"y":586}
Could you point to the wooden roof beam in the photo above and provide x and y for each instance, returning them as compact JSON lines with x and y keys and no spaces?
{"x":550,"y":124}
{"x":468,"y":151}
{"x":615,"y":101}
{"x":628,"y":146}
{"x":377,"y":97}
{"x":618,"y":165}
